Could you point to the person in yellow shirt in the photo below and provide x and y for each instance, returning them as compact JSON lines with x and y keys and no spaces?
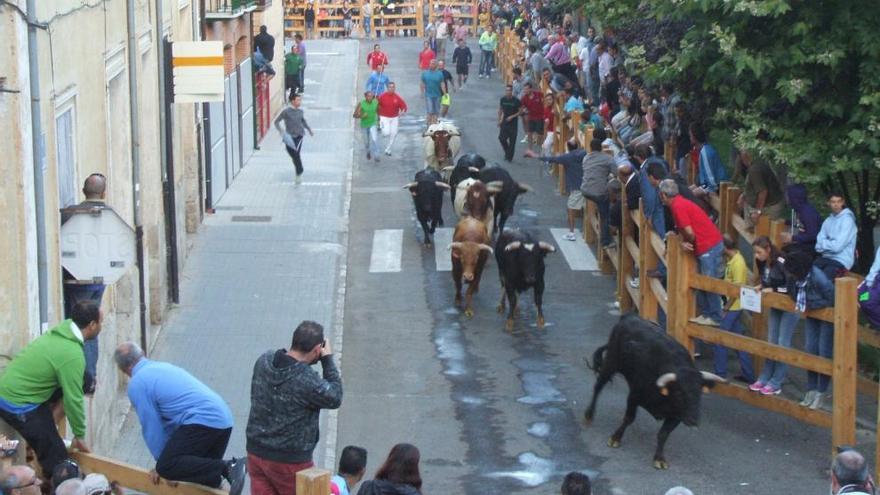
{"x":736,"y":272}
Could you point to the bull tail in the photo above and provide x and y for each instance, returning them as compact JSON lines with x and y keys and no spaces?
{"x":598,"y":359}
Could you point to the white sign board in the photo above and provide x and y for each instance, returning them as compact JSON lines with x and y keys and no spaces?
{"x":198,"y":71}
{"x":750,"y":299}
{"x":97,"y":246}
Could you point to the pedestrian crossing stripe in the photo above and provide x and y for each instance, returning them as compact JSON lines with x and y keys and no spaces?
{"x":442,"y":256}
{"x":577,"y":254}
{"x":387,"y":251}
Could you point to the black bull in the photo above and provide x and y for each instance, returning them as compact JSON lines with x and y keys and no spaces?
{"x":427,"y":193}
{"x":661,"y":376}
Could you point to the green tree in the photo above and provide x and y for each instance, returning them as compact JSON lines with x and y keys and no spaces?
{"x":797,"y":82}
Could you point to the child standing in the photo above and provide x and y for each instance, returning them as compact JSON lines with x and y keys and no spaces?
{"x":737,"y":273}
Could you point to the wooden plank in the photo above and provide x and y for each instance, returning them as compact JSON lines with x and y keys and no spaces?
{"x":751,"y":345}
{"x":590,"y":234}
{"x":676,"y":314}
{"x":313,"y":481}
{"x":775,"y":404}
{"x":659,"y":246}
{"x":648,"y":302}
{"x":660,"y":293}
{"x":768,"y":299}
{"x":846,"y":321}
{"x":135,"y":478}
{"x":632,"y":248}
{"x":867,"y":386}
{"x":714,"y":201}
{"x":633,"y":294}
{"x":869,"y":336}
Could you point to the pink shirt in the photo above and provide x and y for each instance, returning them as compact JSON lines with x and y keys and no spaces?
{"x":558,"y":54}
{"x":460,"y":33}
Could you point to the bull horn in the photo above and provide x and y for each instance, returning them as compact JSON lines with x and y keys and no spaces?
{"x":474,"y":170}
{"x":496,"y":186}
{"x":524,"y":187}
{"x":447,"y":168}
{"x":410,"y":185}
{"x":712,"y":377}
{"x":665,"y":379}
{"x":486,"y":247}
{"x":513,"y":245}
{"x":546,"y":246}
{"x":454,"y":245}
{"x":442,"y":184}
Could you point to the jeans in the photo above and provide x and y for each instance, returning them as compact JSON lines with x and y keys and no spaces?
{"x":486,"y":57}
{"x":830,"y":267}
{"x":294,"y":154}
{"x":819,"y":341}
{"x":74,"y":293}
{"x":780,"y":328}
{"x":604,"y":215}
{"x":194,"y":453}
{"x":371,"y":139}
{"x":731,"y":323}
{"x":507,"y":136}
{"x":710,"y":264}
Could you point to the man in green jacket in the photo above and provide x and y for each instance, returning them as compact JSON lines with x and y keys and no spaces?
{"x":293,"y":65}
{"x":50,"y":369}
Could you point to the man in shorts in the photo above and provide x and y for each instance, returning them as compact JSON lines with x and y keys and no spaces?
{"x":448,"y":88}
{"x":572,"y":162}
{"x":432,"y":88}
{"x":462,"y":59}
{"x":534,"y":109}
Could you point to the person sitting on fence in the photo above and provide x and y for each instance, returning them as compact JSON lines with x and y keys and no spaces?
{"x":399,"y":474}
{"x":352,"y":466}
{"x":598,"y":167}
{"x":805,"y":223}
{"x":762,"y":193}
{"x":652,"y":170}
{"x":836,"y":241}
{"x":572,"y":102}
{"x":810,"y":289}
{"x":869,"y":294}
{"x":576,"y":483}
{"x":589,"y":117}
{"x":574,"y":174}
{"x":849,"y":474}
{"x":711,"y":171}
{"x":700,"y":236}
{"x":264,"y":51}
{"x":735,"y":272}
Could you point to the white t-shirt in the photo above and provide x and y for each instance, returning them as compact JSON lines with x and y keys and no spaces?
{"x":605,"y":61}
{"x":442,"y":31}
{"x":584,"y":57}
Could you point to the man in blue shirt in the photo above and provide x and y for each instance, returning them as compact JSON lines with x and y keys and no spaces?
{"x":185,"y":424}
{"x":378,"y":81}
{"x":432,"y":88}
{"x":572,"y":162}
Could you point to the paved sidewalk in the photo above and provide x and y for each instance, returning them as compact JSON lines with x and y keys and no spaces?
{"x":273,"y":254}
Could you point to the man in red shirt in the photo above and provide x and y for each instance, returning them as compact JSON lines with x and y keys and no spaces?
{"x":534,"y":109}
{"x":549,"y":125}
{"x":376,"y":58}
{"x":703,"y":238}
{"x":391,"y":105}
{"x":425,"y":56}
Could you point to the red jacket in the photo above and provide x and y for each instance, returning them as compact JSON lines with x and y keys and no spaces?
{"x":391,"y":104}
{"x":376,"y":58}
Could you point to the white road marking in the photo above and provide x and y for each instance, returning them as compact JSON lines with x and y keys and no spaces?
{"x":576,"y":252}
{"x":442,"y":256}
{"x":387,"y":250}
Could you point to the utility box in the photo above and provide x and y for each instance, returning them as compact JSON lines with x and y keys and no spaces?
{"x":97,"y":245}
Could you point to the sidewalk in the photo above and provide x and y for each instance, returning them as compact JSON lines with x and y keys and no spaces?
{"x":272,"y":255}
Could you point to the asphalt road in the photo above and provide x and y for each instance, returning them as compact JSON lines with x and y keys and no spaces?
{"x":497,"y":412}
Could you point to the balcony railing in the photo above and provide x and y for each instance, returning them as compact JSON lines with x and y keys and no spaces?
{"x":228,"y":9}
{"x":263,"y":4}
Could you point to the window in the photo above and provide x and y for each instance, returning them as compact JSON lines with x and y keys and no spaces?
{"x":65,"y":154}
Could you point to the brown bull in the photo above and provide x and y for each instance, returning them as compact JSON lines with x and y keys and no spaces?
{"x":470,"y":249}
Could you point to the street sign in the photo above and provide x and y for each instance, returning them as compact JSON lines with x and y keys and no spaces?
{"x":198,"y":71}
{"x":98,"y":245}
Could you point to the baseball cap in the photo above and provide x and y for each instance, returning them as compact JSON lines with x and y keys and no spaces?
{"x":96,"y":483}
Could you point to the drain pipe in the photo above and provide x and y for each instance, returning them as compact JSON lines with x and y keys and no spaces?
{"x":38,"y":144}
{"x":136,"y":166}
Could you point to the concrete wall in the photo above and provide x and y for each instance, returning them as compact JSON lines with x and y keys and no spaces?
{"x":83,"y":65}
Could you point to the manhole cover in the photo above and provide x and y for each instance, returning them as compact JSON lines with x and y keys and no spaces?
{"x":251,"y":218}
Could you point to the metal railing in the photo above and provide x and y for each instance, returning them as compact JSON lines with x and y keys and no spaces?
{"x":231,"y":7}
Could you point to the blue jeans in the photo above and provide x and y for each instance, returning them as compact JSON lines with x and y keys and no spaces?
{"x":731,"y":323}
{"x":819,"y":341}
{"x":780,"y":328}
{"x":486,"y":57}
{"x":710,"y":265}
{"x":74,"y":293}
{"x":604,"y":207}
{"x":371,"y":140}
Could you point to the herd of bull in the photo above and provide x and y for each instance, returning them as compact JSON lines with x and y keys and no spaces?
{"x":660,"y":372}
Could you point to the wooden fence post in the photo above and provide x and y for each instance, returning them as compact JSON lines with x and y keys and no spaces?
{"x":728,"y":194}
{"x":648,"y":259}
{"x":624,"y":256}
{"x":846,"y":338}
{"x":313,"y":481}
{"x":777,"y":227}
{"x":680,"y":302}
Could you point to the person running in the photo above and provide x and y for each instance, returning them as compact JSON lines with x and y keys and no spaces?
{"x":293,"y":64}
{"x":534,"y":110}
{"x":426,"y":56}
{"x":391,"y":105}
{"x":376,"y":58}
{"x":509,"y":109}
{"x":448,"y":88}
{"x":367,"y":112}
{"x":432,"y":88}
{"x":462,"y":59}
{"x":378,"y":81}
{"x":295,"y":126}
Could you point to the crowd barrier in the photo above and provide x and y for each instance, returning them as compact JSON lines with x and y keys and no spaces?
{"x":677,"y":298}
{"x":407,"y":19}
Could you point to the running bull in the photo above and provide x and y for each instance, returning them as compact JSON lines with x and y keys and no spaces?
{"x":521,"y":267}
{"x":427,"y":193}
{"x":497,"y":178}
{"x":661,"y":376}
{"x":470,"y":250}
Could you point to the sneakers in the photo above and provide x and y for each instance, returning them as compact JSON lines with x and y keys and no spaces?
{"x":524,"y":140}
{"x":388,"y":152}
{"x":236,"y":471}
{"x":703,"y":320}
{"x":757,"y":386}
{"x":299,"y":178}
{"x":770,"y":390}
{"x":808,"y":398}
{"x":818,"y":400}
{"x":569,"y":236}
{"x":634,"y":283}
